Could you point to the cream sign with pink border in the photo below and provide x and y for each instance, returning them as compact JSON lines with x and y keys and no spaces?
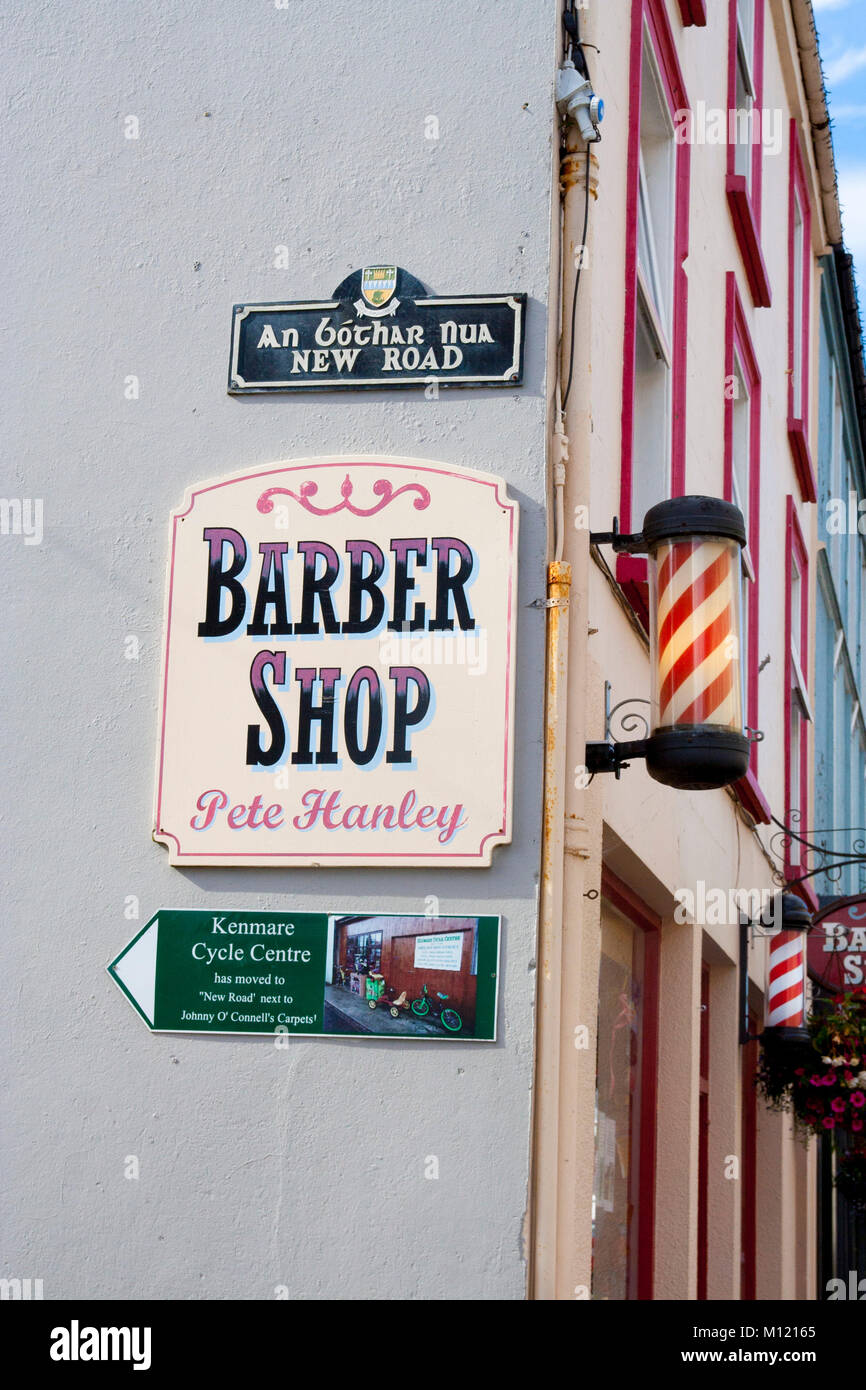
{"x":338,"y":675}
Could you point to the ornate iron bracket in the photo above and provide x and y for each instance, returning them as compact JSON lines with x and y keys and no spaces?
{"x":611,"y":754}
{"x":831,"y":862}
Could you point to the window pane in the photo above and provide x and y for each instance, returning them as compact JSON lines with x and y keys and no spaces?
{"x":745,"y":601}
{"x":652,"y":407}
{"x":843,"y":765}
{"x":794,"y":802}
{"x":657,"y":204}
{"x":859,"y":870}
{"x":652,"y":392}
{"x":796,"y":607}
{"x":850,"y":595}
{"x":746,"y":26}
{"x":740,"y":460}
{"x":646,"y":249}
{"x":798,"y":309}
{"x":616,"y":1181}
{"x":743,"y":133}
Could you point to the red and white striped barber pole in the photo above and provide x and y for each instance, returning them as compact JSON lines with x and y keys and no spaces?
{"x":698,"y":634}
{"x":698,"y":737}
{"x":785,"y":997}
{"x":786,"y":980}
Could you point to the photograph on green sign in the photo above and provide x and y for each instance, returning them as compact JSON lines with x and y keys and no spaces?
{"x":350,"y":975}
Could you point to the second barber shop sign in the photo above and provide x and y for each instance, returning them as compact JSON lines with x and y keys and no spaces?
{"x":339,"y":664}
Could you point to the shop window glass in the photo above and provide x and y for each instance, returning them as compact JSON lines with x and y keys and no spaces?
{"x":616,"y":1184}
{"x":365,"y":952}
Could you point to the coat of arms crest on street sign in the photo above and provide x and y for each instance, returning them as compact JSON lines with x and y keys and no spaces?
{"x":378,"y":283}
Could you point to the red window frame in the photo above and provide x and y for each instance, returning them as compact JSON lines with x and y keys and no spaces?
{"x":745,"y":204}
{"x":738,"y":340}
{"x":795,"y":547}
{"x":626,"y":901}
{"x":693,"y":12}
{"x":798,"y":428}
{"x":631,"y":570}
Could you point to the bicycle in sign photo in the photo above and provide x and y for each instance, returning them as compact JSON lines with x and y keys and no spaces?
{"x":428,"y":1004}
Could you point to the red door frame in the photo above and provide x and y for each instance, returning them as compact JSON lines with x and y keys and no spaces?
{"x":627,"y":902}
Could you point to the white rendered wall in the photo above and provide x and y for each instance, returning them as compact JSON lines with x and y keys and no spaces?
{"x":258,"y":127}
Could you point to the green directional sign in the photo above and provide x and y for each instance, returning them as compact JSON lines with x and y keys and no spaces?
{"x":359,"y":974}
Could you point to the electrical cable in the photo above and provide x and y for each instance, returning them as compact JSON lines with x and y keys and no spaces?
{"x":577,"y":284}
{"x":571,"y":22}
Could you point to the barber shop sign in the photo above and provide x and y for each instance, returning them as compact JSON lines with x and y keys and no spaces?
{"x":338,"y":671}
{"x":837,"y":944}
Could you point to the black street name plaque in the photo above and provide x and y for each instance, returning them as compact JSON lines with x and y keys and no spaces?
{"x":380,"y":329}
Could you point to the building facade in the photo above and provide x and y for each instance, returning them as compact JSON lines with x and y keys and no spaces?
{"x":693,"y":355}
{"x":840,"y":781}
{"x":840,"y":748}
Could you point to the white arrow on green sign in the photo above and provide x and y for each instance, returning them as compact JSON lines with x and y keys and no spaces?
{"x":236,"y":971}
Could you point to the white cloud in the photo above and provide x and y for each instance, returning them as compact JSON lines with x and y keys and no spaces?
{"x":843,"y":67}
{"x":848,"y":113}
{"x":830,"y":4}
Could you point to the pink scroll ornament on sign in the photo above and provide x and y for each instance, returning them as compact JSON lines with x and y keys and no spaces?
{"x":382,"y":489}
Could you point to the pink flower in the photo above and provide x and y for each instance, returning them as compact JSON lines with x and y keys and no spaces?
{"x":828,"y":1123}
{"x":799,"y":1071}
{"x":858,"y":1099}
{"x":856,"y":1124}
{"x":829,"y":1080}
{"x":838,"y":1105}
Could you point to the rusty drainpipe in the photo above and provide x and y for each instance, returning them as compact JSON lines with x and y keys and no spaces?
{"x":558,"y":1246}
{"x":545,"y":1213}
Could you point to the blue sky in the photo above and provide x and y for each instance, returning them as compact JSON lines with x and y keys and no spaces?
{"x":842,"y":39}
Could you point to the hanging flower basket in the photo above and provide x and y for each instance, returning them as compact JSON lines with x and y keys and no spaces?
{"x":823,"y":1083}
{"x":850,"y":1178}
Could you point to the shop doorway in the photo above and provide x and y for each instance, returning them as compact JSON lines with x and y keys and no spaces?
{"x":626,"y":1067}
{"x":749,"y":1167}
{"x":704,"y":1137}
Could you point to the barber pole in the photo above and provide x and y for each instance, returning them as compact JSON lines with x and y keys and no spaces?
{"x":786,"y":981}
{"x":785,"y":998}
{"x":698,"y":661}
{"x":694,"y":546}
